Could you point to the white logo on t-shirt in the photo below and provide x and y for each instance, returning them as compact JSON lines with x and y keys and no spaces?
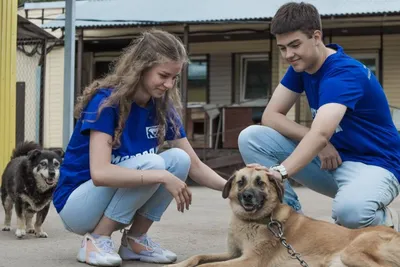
{"x":151,"y":132}
{"x":314,"y":113}
{"x":115,"y":159}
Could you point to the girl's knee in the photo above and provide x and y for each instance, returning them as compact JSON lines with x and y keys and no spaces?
{"x":177,"y":162}
{"x":145,"y":162}
{"x":180,"y":156}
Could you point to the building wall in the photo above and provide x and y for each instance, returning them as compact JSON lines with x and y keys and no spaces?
{"x":220,"y":78}
{"x":54,"y":98}
{"x":221,"y":70}
{"x":391,"y":69}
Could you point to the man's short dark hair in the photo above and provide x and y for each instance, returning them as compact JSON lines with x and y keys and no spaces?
{"x":293,"y":16}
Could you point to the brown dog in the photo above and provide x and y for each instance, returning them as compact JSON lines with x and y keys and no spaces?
{"x":256,"y":202}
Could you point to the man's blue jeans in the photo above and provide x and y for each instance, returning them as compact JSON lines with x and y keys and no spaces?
{"x":360,"y":192}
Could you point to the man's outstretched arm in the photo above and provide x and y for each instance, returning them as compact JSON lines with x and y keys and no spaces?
{"x":325,"y":122}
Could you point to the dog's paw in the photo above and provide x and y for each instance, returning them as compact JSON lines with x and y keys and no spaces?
{"x":20,"y":233}
{"x":42,"y":235}
{"x":6,"y":228}
{"x":31,"y":231}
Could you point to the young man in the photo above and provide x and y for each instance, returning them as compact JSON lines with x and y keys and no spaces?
{"x":352,"y":150}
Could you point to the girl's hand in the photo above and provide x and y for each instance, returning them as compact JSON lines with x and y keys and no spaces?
{"x":179,"y":190}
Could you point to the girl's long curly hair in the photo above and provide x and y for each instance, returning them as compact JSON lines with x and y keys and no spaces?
{"x":150,"y":48}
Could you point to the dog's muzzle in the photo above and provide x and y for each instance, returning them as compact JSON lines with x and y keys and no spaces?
{"x":251,"y":200}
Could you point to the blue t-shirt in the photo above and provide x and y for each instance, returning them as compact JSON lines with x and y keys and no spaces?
{"x":366,"y":133}
{"x":139,"y":137}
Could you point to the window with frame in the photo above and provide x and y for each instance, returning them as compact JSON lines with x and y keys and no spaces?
{"x":369,"y":59}
{"x":198,"y":79}
{"x":255,"y":76}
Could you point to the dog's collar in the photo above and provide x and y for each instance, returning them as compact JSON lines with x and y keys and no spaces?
{"x":267,"y":220}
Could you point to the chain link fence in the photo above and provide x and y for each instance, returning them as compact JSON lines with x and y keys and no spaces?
{"x":30,"y":89}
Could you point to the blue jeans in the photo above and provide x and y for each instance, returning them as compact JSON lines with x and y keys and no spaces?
{"x":360,"y":192}
{"x":88,"y":203}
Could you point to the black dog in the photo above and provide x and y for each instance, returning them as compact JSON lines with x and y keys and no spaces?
{"x":28,"y":182}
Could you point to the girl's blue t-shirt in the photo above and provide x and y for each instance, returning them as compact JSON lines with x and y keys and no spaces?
{"x":139,"y":137}
{"x":366,"y":133}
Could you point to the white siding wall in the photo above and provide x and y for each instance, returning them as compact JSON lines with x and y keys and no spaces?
{"x":221,"y":65}
{"x":282,"y":67}
{"x":275,"y":65}
{"x":357,"y":42}
{"x":234,"y":47}
{"x":220,"y":78}
{"x":54,"y":98}
{"x":391,"y":69}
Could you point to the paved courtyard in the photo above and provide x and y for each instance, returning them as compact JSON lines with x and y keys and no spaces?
{"x":202,"y":229}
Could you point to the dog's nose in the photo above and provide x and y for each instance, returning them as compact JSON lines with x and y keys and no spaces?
{"x":52,"y":174}
{"x":247,"y":196}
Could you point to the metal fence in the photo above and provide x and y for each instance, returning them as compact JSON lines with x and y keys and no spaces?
{"x":30,"y":89}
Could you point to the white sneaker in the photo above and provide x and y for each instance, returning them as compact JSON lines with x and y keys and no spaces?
{"x":146,"y":250}
{"x":392,"y":218}
{"x":98,"y":252}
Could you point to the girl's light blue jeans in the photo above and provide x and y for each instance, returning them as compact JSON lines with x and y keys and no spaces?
{"x":360,"y":192}
{"x":88,"y":203}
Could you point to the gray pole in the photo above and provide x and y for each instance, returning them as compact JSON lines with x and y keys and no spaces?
{"x":184,"y":81}
{"x":69,"y":68}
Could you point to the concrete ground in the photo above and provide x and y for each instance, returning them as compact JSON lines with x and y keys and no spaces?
{"x":202,"y":229}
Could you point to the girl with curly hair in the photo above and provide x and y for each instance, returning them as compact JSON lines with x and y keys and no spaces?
{"x":112,"y":175}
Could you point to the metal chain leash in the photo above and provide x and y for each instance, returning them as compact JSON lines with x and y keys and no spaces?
{"x":276,"y":228}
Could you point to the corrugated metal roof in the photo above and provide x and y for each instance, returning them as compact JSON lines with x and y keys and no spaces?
{"x":131,"y":12}
{"x":28,"y":30}
{"x":48,"y":5}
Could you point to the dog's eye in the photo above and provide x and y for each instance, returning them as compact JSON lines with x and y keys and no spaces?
{"x":56,"y":164}
{"x":260,"y":182}
{"x":43,"y":163}
{"x":240,"y":182}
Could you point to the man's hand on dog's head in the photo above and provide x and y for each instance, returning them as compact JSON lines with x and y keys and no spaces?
{"x":270,"y":172}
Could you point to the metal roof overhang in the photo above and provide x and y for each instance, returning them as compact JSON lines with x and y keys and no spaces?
{"x":29,"y":30}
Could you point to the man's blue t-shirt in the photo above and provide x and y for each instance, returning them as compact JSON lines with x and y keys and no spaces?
{"x":366,"y":133}
{"x":139,"y":137}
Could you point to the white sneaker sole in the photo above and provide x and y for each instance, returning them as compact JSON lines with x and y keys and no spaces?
{"x":128,"y":255}
{"x":81,"y":257}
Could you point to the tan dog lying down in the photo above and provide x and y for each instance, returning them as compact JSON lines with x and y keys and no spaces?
{"x":255,"y":198}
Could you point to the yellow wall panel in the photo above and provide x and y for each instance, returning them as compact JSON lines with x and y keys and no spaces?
{"x":8,"y":50}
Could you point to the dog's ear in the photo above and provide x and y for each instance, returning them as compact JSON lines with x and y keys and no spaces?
{"x":33,"y":154}
{"x":228,"y":186}
{"x":278,"y":184}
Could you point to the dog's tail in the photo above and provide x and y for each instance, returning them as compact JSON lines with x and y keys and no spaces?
{"x":23,"y":149}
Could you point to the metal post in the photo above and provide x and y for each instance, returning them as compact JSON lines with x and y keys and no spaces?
{"x":79,"y":61}
{"x":184,"y":80}
{"x":69,"y":74}
{"x":42,"y":88}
